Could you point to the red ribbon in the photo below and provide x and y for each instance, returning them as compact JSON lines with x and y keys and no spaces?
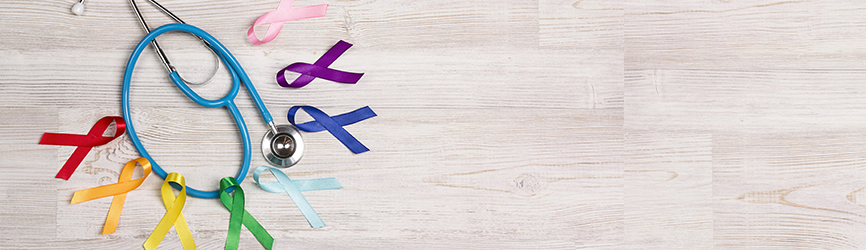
{"x":83,"y":142}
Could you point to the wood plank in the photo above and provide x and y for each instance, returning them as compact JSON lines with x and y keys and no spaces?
{"x":788,"y":190}
{"x":27,"y":180}
{"x":779,"y":100}
{"x":767,"y":34}
{"x":380,"y":24}
{"x":668,"y":190}
{"x":580,"y":23}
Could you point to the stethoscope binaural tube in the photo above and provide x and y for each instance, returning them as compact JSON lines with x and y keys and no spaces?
{"x":160,"y":52}
{"x":238,"y":75}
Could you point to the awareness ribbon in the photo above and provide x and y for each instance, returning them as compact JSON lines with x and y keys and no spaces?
{"x":239,"y":215}
{"x":173,"y":215}
{"x":320,"y":69}
{"x":294,"y":188}
{"x":124,"y":184}
{"x":83,"y":142}
{"x":334,"y":125}
{"x":284,"y":13}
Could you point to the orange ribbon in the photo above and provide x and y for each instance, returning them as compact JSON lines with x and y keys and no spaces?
{"x":124,"y":184}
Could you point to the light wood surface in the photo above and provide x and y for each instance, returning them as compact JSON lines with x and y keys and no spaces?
{"x":548,"y":124}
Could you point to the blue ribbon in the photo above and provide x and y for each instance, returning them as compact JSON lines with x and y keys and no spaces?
{"x":334,"y":125}
{"x":294,"y":188}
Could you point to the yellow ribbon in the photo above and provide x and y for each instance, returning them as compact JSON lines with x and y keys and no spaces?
{"x":172,"y":215}
{"x":118,"y":190}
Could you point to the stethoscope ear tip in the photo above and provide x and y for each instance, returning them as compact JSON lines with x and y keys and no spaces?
{"x":78,"y":8}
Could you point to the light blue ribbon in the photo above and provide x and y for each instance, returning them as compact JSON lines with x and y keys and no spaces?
{"x":294,"y":188}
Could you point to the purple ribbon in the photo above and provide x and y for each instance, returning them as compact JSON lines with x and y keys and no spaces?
{"x":334,"y":124}
{"x":320,"y":69}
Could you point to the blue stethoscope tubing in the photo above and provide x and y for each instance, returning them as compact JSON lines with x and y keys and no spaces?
{"x":238,"y":75}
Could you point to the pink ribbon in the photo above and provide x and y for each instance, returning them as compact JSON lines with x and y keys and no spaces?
{"x":283,"y":13}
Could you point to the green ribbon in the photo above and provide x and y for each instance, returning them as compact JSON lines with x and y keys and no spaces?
{"x":239,"y":215}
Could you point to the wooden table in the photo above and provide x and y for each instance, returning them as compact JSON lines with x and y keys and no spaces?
{"x":549,"y":124}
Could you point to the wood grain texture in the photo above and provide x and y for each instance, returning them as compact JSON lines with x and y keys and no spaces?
{"x":814,"y":199}
{"x":777,"y":100}
{"x":456,"y":86}
{"x":548,"y":124}
{"x":580,"y":23}
{"x":772,"y":34}
{"x":668,"y":189}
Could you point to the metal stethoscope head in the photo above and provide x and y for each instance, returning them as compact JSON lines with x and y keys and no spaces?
{"x":282,"y":146}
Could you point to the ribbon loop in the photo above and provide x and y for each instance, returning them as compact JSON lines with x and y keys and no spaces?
{"x":284,"y":184}
{"x":173,"y":215}
{"x":239,"y":215}
{"x":320,"y":69}
{"x":118,"y":190}
{"x":334,"y":125}
{"x":83,"y":142}
{"x":284,"y":13}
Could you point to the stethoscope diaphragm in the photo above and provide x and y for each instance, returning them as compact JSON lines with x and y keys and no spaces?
{"x":284,"y":147}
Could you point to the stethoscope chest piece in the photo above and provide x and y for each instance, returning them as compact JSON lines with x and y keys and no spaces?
{"x":283,"y":148}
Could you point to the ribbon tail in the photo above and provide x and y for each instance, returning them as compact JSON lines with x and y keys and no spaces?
{"x":105,"y":191}
{"x":304,"y":185}
{"x":355,"y":116}
{"x":72,"y":163}
{"x":65,"y":139}
{"x":332,"y":54}
{"x":248,"y":221}
{"x":294,"y":14}
{"x":300,"y":201}
{"x":113,"y":214}
{"x":258,"y":231}
{"x":184,"y":233}
{"x":336,"y":75}
{"x":159,"y":232}
{"x":311,"y":11}
{"x":352,"y":143}
{"x":340,"y":133}
{"x":162,"y":228}
{"x":318,"y":184}
{"x":235,"y":222}
{"x":345,"y":77}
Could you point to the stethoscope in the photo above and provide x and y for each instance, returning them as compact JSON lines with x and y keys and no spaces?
{"x":282,"y":145}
